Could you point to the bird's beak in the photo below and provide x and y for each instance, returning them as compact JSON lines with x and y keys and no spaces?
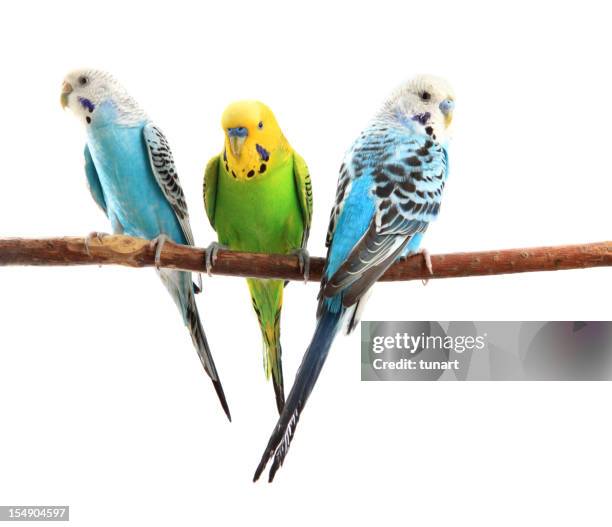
{"x":66,"y":90}
{"x":236,"y":144}
{"x":446,"y":107}
{"x":237,"y":136}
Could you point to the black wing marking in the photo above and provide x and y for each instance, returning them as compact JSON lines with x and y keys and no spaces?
{"x":409,"y":174}
{"x":342,"y":188}
{"x":164,"y":170}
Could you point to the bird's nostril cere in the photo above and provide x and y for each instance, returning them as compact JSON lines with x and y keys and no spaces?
{"x":238,"y":131}
{"x":447,"y":105}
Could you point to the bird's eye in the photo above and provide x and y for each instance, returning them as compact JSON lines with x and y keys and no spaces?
{"x":260,"y":125}
{"x":83,"y":80}
{"x":425,"y":95}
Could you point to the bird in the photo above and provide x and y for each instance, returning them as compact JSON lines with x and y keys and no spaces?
{"x":132,"y":177}
{"x":389,"y":189}
{"x":258,"y":198}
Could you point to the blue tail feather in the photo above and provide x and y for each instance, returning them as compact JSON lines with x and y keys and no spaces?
{"x":327,"y":326}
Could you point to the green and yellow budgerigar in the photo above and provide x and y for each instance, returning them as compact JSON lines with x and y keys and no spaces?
{"x":258,"y":197}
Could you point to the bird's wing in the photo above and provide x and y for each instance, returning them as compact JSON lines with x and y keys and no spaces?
{"x":211,"y":176}
{"x":303,"y":187}
{"x":164,"y":170}
{"x":407,"y":175}
{"x":344,"y":182}
{"x":93,"y":181}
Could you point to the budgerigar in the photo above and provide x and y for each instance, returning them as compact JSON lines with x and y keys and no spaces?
{"x":389,"y":189}
{"x":258,"y":197}
{"x":132,"y":177}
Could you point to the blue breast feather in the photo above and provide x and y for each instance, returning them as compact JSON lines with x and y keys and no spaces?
{"x":135,"y":202}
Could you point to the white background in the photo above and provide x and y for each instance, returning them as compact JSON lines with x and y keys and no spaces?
{"x":104,"y":405}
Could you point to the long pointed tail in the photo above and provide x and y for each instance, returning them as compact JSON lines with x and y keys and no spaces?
{"x":279,"y":387}
{"x":307,"y":375}
{"x":181,"y":289}
{"x":267,"y":299}
{"x":273,"y":361}
{"x":199,"y":340}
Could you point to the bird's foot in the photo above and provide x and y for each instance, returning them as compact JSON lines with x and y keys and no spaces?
{"x":211,"y":256}
{"x":303,"y":262}
{"x":94,"y":234}
{"x":427,"y":259}
{"x":158,"y":244}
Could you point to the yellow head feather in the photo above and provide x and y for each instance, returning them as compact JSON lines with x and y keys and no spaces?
{"x":254,"y":143}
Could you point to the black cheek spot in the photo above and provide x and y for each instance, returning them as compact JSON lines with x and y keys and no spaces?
{"x":251,"y":173}
{"x":429,"y":130}
{"x":262,"y":168}
{"x":88,"y":119}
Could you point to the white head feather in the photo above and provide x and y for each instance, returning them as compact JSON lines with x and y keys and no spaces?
{"x":98,"y":87}
{"x":420,"y":96}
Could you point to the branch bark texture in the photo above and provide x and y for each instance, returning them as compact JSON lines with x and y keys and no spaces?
{"x":135,"y":252}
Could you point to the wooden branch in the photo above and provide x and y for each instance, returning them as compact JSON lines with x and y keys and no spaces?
{"x":136,"y":252}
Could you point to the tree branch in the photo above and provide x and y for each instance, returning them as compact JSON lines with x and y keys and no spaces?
{"x":136,"y":252}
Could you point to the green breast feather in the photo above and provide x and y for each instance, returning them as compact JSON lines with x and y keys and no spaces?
{"x":269,"y":213}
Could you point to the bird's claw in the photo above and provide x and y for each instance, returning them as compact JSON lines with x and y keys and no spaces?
{"x":94,"y":234}
{"x":158,"y":244}
{"x":427,"y":259}
{"x":304,"y":263}
{"x":211,"y":256}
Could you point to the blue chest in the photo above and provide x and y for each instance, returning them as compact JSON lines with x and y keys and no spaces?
{"x":135,"y":202}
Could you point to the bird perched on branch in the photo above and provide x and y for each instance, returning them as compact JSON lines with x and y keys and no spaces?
{"x":132,"y":177}
{"x":389,"y":190}
{"x":258,"y":197}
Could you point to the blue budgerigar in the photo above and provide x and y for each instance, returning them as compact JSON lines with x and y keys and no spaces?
{"x":132,"y":177}
{"x":389,"y":190}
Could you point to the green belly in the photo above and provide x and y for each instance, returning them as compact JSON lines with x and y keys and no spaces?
{"x":261,"y":214}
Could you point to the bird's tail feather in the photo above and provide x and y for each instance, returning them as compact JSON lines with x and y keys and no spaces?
{"x":307,"y":375}
{"x":199,"y":340}
{"x":181,"y":288}
{"x":279,"y":391}
{"x":267,"y":299}
{"x":273,"y":363}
